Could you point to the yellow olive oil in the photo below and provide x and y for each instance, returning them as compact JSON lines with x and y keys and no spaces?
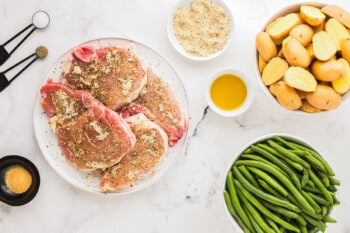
{"x":228,"y":92}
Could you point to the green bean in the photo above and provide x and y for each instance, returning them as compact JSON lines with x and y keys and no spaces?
{"x":256,"y":215}
{"x":256,"y":226}
{"x":283,"y":179}
{"x":318,"y":199}
{"x":261,"y":159}
{"x":248,"y":151}
{"x":301,"y":220}
{"x":273,"y":225}
{"x":324,"y":179}
{"x":280,"y":210}
{"x":285,"y":167}
{"x":297,"y":203}
{"x":333,"y":180}
{"x":235,"y":201}
{"x":314,"y":222}
{"x":269,"y":189}
{"x":304,"y":178}
{"x":335,"y":200}
{"x":288,"y":153}
{"x":249,"y":176}
{"x":234,"y":213}
{"x":317,"y":156}
{"x":319,"y":185}
{"x":327,"y":218}
{"x":303,"y":229}
{"x":312,"y":202}
{"x":283,"y":230}
{"x":313,"y":230}
{"x":284,"y":142}
{"x":268,"y":179}
{"x":263,"y":209}
{"x":324,"y":210}
{"x":332,"y":188}
{"x":310,"y":183}
{"x":261,"y":194}
{"x":312,"y":189}
{"x":279,"y":155}
{"x":312,"y":160}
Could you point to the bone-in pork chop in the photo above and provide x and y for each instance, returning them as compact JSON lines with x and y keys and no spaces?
{"x":90,"y":135}
{"x":157,"y":101}
{"x":113,"y":75}
{"x":151,"y":145}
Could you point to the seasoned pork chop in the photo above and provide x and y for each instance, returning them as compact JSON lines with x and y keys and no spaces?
{"x":151,"y":145}
{"x":113,"y":75}
{"x":90,"y":135}
{"x":158,"y":103}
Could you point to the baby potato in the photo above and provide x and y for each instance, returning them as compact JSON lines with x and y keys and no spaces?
{"x":328,"y":70}
{"x":324,"y":46}
{"x":345,"y":48}
{"x":287,"y":96}
{"x":274,"y":70}
{"x":261,"y":63}
{"x":303,"y":33}
{"x":342,"y":85}
{"x":337,"y":31}
{"x":281,"y":28}
{"x":300,"y":78}
{"x":307,"y":107}
{"x":325,"y":97}
{"x":312,"y":15}
{"x":295,"y":53}
{"x":273,"y":88}
{"x":338,"y":13}
{"x":265,"y":46}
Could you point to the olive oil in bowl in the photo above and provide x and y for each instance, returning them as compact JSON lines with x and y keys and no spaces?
{"x":230,"y":92}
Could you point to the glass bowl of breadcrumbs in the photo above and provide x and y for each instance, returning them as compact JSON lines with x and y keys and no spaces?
{"x":200,"y":30}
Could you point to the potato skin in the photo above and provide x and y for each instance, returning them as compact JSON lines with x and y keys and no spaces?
{"x":325,"y":97}
{"x":328,"y":71}
{"x":345,"y":49}
{"x":307,"y":107}
{"x":295,"y":53}
{"x":303,"y":33}
{"x":265,"y":46}
{"x":287,"y":96}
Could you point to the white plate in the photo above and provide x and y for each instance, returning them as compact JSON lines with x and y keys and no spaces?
{"x":47,"y":139}
{"x":177,"y":45}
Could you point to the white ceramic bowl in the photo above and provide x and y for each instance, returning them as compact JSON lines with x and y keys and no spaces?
{"x":284,"y":11}
{"x":250,"y":92}
{"x":240,"y":151}
{"x":175,"y":43}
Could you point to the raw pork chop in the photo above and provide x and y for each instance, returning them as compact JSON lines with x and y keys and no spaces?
{"x":151,"y":145}
{"x":158,"y":103}
{"x":90,"y":135}
{"x":113,"y":75}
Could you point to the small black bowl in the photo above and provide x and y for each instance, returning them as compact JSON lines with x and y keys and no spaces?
{"x":6,"y":195}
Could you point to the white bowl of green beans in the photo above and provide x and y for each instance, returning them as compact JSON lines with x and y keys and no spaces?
{"x":280,"y":183}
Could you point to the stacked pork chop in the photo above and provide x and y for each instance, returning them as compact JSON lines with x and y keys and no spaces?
{"x":111,"y":114}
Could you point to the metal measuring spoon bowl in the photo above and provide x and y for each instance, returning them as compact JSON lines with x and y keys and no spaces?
{"x":41,"y":19}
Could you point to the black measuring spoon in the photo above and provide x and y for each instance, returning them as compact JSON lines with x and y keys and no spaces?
{"x":40,"y":53}
{"x":40,"y":20}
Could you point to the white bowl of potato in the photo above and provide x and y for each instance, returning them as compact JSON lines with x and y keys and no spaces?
{"x":303,"y":57}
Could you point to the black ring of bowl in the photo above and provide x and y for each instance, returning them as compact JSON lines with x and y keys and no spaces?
{"x":20,"y":199}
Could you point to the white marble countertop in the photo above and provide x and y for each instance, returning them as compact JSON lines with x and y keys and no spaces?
{"x":188,"y":197}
